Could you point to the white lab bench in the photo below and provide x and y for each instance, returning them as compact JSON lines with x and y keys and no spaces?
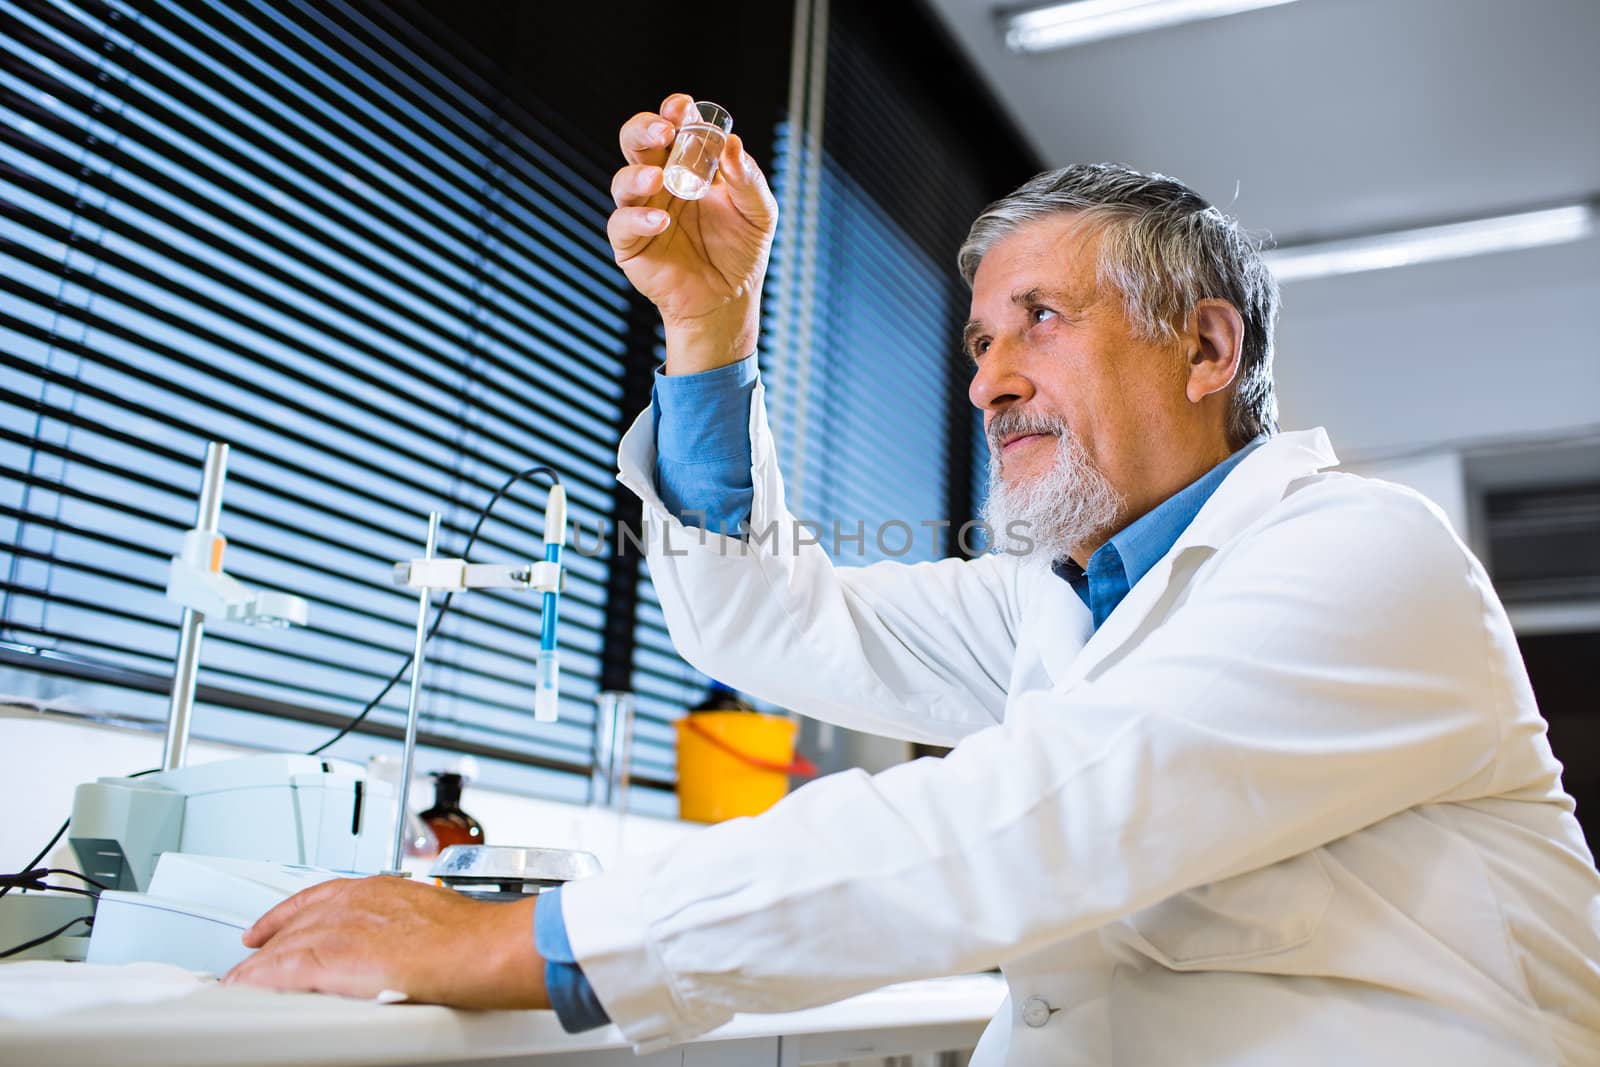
{"x":242,"y":1027}
{"x":231,"y":1027}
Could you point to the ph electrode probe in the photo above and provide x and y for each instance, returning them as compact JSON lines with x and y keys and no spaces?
{"x":546,"y":696}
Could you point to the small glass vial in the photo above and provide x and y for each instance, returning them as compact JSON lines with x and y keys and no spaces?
{"x":696,"y":151}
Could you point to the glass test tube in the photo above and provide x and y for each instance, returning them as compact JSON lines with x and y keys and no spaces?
{"x":613,"y":755}
{"x":696,"y":150}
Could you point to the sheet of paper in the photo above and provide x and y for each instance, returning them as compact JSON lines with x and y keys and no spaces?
{"x":38,"y":989}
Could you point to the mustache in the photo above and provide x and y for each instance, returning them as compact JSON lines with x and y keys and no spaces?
{"x":1016,"y":421}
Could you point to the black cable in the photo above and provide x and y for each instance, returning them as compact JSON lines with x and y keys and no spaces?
{"x":74,"y":890}
{"x":444,"y":605}
{"x":23,"y":879}
{"x":57,"y":932}
{"x":76,"y":874}
{"x":35,"y":880}
{"x":33,"y":864}
{"x":26,"y":879}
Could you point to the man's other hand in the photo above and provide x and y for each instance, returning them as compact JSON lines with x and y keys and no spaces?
{"x":359,"y":937}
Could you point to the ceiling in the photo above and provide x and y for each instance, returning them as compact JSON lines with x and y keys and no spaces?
{"x":1325,"y":117}
{"x":1328,"y":118}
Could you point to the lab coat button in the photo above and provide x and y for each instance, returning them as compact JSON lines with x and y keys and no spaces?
{"x":1036,"y":1011}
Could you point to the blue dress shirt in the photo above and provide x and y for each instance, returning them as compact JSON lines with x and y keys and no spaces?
{"x":570,"y":993}
{"x":702,"y":428}
{"x":703,"y":456}
{"x":1117,"y":565}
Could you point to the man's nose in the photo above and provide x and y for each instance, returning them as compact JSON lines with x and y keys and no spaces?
{"x":999,"y":381}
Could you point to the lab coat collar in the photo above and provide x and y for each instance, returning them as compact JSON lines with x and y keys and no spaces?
{"x":1259,"y":482}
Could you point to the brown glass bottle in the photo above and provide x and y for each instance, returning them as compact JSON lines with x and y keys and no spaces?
{"x":450,"y":825}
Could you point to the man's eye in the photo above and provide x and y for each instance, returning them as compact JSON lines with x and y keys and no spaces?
{"x":1040,"y":314}
{"x":978,"y":348}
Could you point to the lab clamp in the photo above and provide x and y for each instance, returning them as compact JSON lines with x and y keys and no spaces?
{"x":197,"y":581}
{"x":192,"y":856}
{"x":430,"y":574}
{"x":491,"y":872}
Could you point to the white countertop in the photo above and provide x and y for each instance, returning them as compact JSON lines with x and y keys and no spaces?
{"x":246,"y":1027}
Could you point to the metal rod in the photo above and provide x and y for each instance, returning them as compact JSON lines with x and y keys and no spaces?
{"x":186,"y":669}
{"x":412,"y":703}
{"x":209,"y":515}
{"x":180,"y":707}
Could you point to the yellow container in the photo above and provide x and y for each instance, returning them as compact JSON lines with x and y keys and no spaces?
{"x":733,"y":763}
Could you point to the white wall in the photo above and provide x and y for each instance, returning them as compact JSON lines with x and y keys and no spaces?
{"x":1413,"y":370}
{"x":1496,"y":347}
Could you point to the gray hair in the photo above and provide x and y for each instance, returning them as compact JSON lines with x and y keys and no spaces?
{"x":1164,"y":248}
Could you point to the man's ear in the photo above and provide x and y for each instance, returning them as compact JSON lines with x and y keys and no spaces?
{"x":1214,"y":338}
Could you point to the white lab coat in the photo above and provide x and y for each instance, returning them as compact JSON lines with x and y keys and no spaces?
{"x":1291,"y":804}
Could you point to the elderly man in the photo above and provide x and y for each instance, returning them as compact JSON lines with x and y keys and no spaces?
{"x":1246,"y":766}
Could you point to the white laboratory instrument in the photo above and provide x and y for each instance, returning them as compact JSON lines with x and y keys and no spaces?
{"x":195,"y":912}
{"x":281,"y":809}
{"x":302,"y":810}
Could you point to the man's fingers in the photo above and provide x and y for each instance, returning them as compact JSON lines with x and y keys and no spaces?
{"x":734,"y":165}
{"x":646,"y":138}
{"x":296,"y":968}
{"x":636,"y":185}
{"x":287,"y":912}
{"x":305,"y":964}
{"x":629,"y":227}
{"x":746,"y":184}
{"x":679,"y":109}
{"x":281,"y":914}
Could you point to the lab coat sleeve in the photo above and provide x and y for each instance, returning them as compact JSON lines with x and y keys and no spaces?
{"x":918,"y":651}
{"x":1328,"y":670}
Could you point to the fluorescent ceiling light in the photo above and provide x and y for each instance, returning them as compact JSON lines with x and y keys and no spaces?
{"x":1529,"y":229}
{"x":1063,"y":25}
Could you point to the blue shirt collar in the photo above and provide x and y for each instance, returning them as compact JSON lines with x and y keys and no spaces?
{"x":1116,"y":566}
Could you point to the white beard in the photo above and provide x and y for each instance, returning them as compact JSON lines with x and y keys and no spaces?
{"x":1069,"y":506}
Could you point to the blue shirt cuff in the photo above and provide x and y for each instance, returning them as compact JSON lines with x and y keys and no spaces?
{"x":702,"y":430}
{"x":571,"y":995}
